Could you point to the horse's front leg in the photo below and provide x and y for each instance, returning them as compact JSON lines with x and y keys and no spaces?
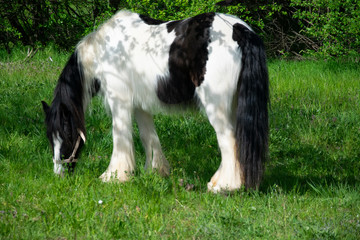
{"x":122,"y":162}
{"x":155,"y":158}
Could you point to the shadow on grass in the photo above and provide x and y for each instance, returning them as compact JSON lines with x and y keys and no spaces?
{"x":298,"y":168}
{"x":190,"y":145}
{"x":295,"y":167}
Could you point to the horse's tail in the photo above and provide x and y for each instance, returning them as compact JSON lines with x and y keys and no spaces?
{"x":252,"y":108}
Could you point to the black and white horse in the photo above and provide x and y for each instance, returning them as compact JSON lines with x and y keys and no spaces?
{"x":142,"y":66}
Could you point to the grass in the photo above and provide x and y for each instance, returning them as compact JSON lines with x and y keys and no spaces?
{"x":310,"y":190}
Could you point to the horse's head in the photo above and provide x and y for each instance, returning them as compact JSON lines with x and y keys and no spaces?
{"x":66,"y":135}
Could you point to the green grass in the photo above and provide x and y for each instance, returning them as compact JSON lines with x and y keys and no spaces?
{"x":310,"y":190}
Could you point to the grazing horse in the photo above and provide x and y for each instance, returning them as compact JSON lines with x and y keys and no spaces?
{"x":142,"y":66}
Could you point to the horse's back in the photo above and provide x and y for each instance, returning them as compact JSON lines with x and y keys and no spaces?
{"x":133,"y":54}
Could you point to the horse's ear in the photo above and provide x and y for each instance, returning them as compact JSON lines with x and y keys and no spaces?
{"x":46,"y":107}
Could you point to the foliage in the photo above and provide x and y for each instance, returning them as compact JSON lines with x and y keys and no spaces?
{"x":310,"y":190}
{"x":39,"y":22}
{"x":333,"y":24}
{"x":171,"y":10}
{"x":287,"y":26}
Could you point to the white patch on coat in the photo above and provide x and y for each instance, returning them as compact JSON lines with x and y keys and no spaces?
{"x":217,"y":94}
{"x":58,"y":167}
{"x":128,"y":56}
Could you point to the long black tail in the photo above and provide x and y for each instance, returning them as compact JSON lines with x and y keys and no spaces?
{"x":252,"y":128}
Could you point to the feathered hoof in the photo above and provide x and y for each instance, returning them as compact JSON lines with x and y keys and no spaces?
{"x":162,"y":167}
{"x":164,"y":170}
{"x":221,"y":189}
{"x":224,"y":182}
{"x":114,"y":176}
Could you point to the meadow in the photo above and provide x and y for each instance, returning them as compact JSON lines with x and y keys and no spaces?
{"x":311,"y":188}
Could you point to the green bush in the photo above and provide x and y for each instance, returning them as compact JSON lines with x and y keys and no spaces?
{"x":37,"y":23}
{"x":323,"y":27}
{"x":332,"y":24}
{"x":171,"y":10}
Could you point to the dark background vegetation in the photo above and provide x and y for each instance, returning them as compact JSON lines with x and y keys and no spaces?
{"x":289,"y":27}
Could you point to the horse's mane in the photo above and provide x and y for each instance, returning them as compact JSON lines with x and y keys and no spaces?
{"x":67,"y":108}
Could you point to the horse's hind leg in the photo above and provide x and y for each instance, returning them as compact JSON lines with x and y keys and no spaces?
{"x":219,"y":111}
{"x":155,"y":158}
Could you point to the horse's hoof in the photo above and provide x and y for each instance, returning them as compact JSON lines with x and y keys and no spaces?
{"x":114,"y":177}
{"x":221,"y":185}
{"x":212,"y":188}
{"x":164,"y":171}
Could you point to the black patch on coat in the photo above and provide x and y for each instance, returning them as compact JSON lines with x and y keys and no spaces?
{"x":187,"y":59}
{"x":150,"y":21}
{"x":172,"y":25}
{"x":252,"y":127}
{"x":66,"y":113}
{"x":95,"y":87}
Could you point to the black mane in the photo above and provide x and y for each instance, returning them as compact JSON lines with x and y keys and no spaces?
{"x":66,"y":114}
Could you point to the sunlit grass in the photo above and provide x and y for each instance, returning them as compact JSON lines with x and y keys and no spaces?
{"x":310,"y":190}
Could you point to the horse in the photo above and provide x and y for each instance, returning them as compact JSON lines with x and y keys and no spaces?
{"x":143,"y":66}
